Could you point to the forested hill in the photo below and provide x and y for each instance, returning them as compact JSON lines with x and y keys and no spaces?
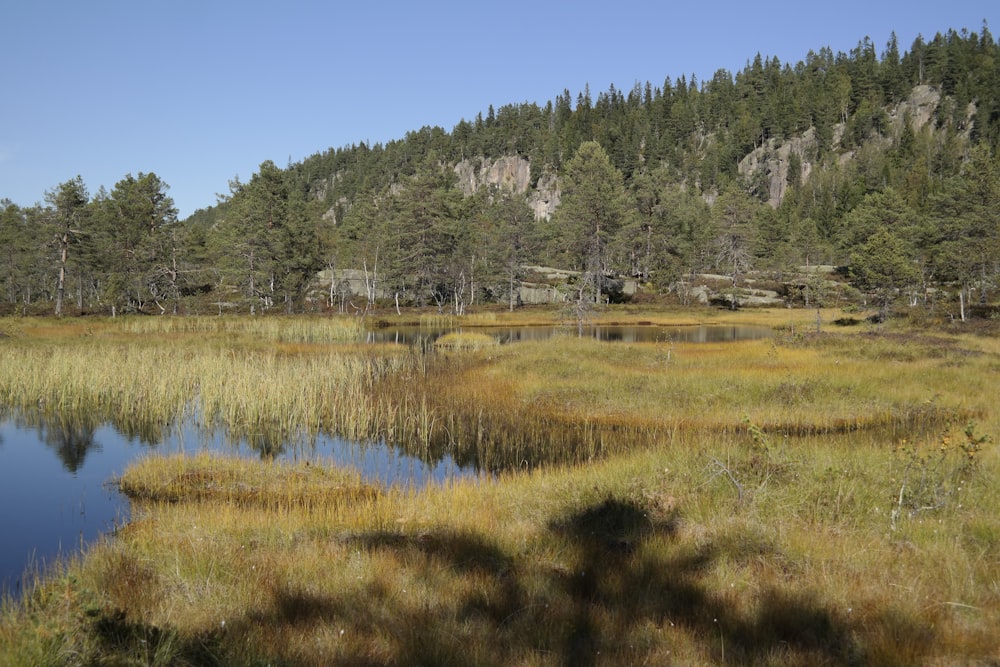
{"x":881,"y":160}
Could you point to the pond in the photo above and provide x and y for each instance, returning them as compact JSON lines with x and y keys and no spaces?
{"x":609,"y":333}
{"x":56,"y":493}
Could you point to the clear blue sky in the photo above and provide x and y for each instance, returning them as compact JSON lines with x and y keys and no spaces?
{"x":202,"y":91}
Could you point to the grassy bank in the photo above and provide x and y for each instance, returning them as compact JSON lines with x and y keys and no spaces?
{"x":815,"y":499}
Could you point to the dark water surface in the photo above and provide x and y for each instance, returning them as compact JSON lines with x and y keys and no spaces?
{"x":56,"y":480}
{"x":608,"y":333}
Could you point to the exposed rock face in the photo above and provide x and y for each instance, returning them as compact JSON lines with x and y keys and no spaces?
{"x":511,"y":173}
{"x":508,"y":172}
{"x":545,"y":199}
{"x":320,"y":189}
{"x":331,"y":213}
{"x":775,"y":159}
{"x":920,"y":106}
{"x":775,"y":156}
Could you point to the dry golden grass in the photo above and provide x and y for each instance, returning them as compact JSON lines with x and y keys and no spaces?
{"x":465,"y":340}
{"x":243,"y":386}
{"x":215,"y":479}
{"x":642,"y":558}
{"x":747,"y":503}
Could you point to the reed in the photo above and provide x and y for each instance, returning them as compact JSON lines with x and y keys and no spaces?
{"x":198,"y":329}
{"x":465,"y":340}
{"x":289,"y":329}
{"x":690,"y":504}
{"x":246,"y":389}
{"x":438,"y":321}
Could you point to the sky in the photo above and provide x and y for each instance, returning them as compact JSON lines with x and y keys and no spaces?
{"x":200,"y":92}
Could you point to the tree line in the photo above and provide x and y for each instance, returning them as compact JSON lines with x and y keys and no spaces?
{"x":650,"y":182}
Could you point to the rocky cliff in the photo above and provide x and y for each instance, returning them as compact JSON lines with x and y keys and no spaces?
{"x":774,"y":157}
{"x":774,"y":160}
{"x":512,"y":173}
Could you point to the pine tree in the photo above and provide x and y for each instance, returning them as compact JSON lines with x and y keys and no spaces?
{"x":508,"y":236}
{"x":884,"y":266}
{"x":963,"y":236}
{"x":135,"y":234}
{"x":19,"y":254}
{"x":593,"y":208}
{"x":68,"y":222}
{"x":734,"y":213}
{"x":251,"y":235}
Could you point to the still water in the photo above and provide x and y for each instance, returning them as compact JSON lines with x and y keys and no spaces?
{"x":608,"y":333}
{"x":56,"y":481}
{"x":57,"y":492}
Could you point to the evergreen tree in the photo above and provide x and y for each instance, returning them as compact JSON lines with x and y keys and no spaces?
{"x":19,"y":255}
{"x":883,"y":210}
{"x":67,"y":224}
{"x":593,"y":208}
{"x":650,"y":240}
{"x":296,"y":252}
{"x":884,"y":266}
{"x":424,"y":225}
{"x":508,"y":237}
{"x":734,"y":215}
{"x":891,"y":74}
{"x":252,"y":235}
{"x":963,"y":239}
{"x":136,"y":234}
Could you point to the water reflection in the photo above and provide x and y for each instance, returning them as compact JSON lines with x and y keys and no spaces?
{"x":54,"y":466}
{"x":54,"y":474}
{"x":416,"y":335}
{"x":71,"y":442}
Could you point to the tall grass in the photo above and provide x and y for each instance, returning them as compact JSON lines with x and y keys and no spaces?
{"x":280,"y":389}
{"x":560,"y":400}
{"x":571,"y":399}
{"x":689,"y":504}
{"x":271,"y":328}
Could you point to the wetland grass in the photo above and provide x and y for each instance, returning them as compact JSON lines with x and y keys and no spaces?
{"x":286,"y":329}
{"x":465,"y":340}
{"x":239,"y":385}
{"x":698,"y":505}
{"x":638,"y":558}
{"x":217,"y":479}
{"x":585,"y":398}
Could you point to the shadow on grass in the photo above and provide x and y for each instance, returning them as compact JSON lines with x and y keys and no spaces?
{"x":637,"y":590}
{"x":123,"y":642}
{"x":588,"y":594}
